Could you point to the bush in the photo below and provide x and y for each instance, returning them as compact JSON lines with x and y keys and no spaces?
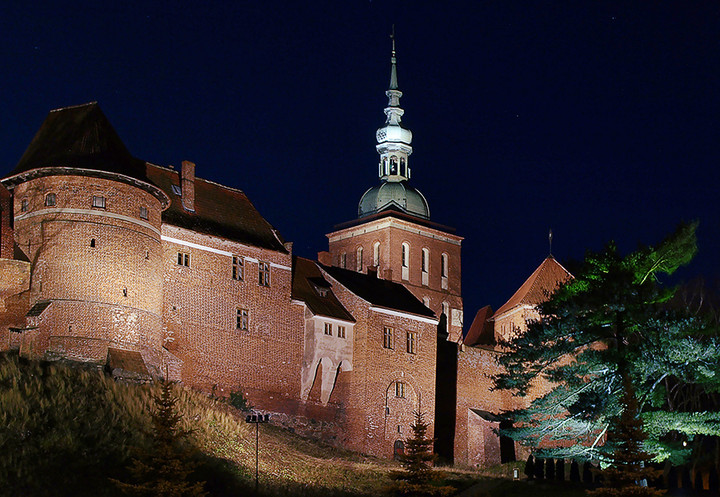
{"x":238,"y":401}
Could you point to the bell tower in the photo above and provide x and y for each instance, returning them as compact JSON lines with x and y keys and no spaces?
{"x":393,"y":236}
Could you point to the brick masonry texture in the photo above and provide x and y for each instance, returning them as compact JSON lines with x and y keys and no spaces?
{"x":89,"y":262}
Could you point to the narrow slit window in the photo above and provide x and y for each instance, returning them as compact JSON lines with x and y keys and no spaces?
{"x":411,"y":342}
{"x":341,"y":332}
{"x":328,"y":329}
{"x":400,"y":390}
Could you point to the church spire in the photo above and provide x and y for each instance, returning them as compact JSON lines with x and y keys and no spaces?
{"x":393,"y":140}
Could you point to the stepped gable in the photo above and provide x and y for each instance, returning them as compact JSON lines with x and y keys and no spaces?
{"x":481,"y":329}
{"x":79,"y":137}
{"x":379,"y":292}
{"x":309,"y":286}
{"x":219,"y":211}
{"x":541,"y":283}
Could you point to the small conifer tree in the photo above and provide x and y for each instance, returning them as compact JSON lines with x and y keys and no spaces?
{"x":165,"y":470}
{"x":417,"y":479}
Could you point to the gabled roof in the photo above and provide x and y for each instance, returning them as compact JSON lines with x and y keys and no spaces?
{"x":79,"y":137}
{"x":381,"y":293}
{"x":481,"y":330}
{"x":309,"y":286}
{"x":219,"y":210}
{"x":536,"y":289}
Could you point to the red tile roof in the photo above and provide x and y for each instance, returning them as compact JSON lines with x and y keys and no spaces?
{"x":219,"y":210}
{"x":536,"y":289}
{"x":481,"y":330}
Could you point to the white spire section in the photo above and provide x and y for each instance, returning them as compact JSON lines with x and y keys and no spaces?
{"x":393,"y":140}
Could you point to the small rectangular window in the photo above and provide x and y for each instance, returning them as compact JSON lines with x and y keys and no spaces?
{"x":411,"y":341}
{"x":388,"y":337}
{"x":263,"y":274}
{"x":143,"y":212}
{"x":183,"y":259}
{"x":341,"y":332}
{"x":242,"y":319}
{"x":238,"y":268}
{"x":50,"y":200}
{"x":328,"y":329}
{"x":98,"y":201}
{"x":400,"y":389}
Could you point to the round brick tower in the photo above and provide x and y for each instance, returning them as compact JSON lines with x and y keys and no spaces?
{"x":88,"y":219}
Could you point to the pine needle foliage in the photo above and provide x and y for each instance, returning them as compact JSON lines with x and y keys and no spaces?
{"x":165,"y":470}
{"x":419,"y":478}
{"x":628,"y":476}
{"x":614,"y":311}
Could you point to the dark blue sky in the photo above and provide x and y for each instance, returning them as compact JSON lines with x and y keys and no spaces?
{"x":596,"y":119}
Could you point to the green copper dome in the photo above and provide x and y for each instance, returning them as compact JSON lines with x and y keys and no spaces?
{"x":397,"y":195}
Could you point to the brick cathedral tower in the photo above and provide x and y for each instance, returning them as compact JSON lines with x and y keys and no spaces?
{"x":394,"y":238}
{"x":393,"y":235}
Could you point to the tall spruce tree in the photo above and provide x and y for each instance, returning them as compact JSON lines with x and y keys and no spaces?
{"x":165,"y":470}
{"x":609,"y":323}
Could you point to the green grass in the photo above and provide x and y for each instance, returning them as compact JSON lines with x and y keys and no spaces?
{"x":65,"y":430}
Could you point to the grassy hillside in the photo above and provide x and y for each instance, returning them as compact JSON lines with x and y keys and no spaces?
{"x":67,"y":430}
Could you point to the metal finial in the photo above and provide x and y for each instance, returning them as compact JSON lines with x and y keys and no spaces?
{"x":392,"y":37}
{"x":550,"y":240}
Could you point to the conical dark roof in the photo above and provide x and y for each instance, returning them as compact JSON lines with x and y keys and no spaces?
{"x":80,"y":137}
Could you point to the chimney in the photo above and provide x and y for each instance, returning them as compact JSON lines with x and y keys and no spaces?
{"x":324,"y":258}
{"x":187,"y":185}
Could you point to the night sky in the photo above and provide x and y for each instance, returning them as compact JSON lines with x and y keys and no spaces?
{"x":596,"y":119}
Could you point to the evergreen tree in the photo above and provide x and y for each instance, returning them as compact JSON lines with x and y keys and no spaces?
{"x":612,"y":315}
{"x":165,"y":470}
{"x":418,"y":477}
{"x":629,"y":474}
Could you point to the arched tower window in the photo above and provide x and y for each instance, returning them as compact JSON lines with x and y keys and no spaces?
{"x":359,"y":259}
{"x":424,"y":266}
{"x":405,"y":261}
{"x":444,"y":269}
{"x":403,"y":167}
{"x":393,"y":165}
{"x":376,"y":254}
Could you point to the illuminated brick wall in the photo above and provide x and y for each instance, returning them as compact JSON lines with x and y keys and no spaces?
{"x":98,"y":265}
{"x":200,"y":307}
{"x":391,"y":233}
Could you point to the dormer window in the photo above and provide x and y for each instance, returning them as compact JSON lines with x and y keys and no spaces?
{"x":50,"y":200}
